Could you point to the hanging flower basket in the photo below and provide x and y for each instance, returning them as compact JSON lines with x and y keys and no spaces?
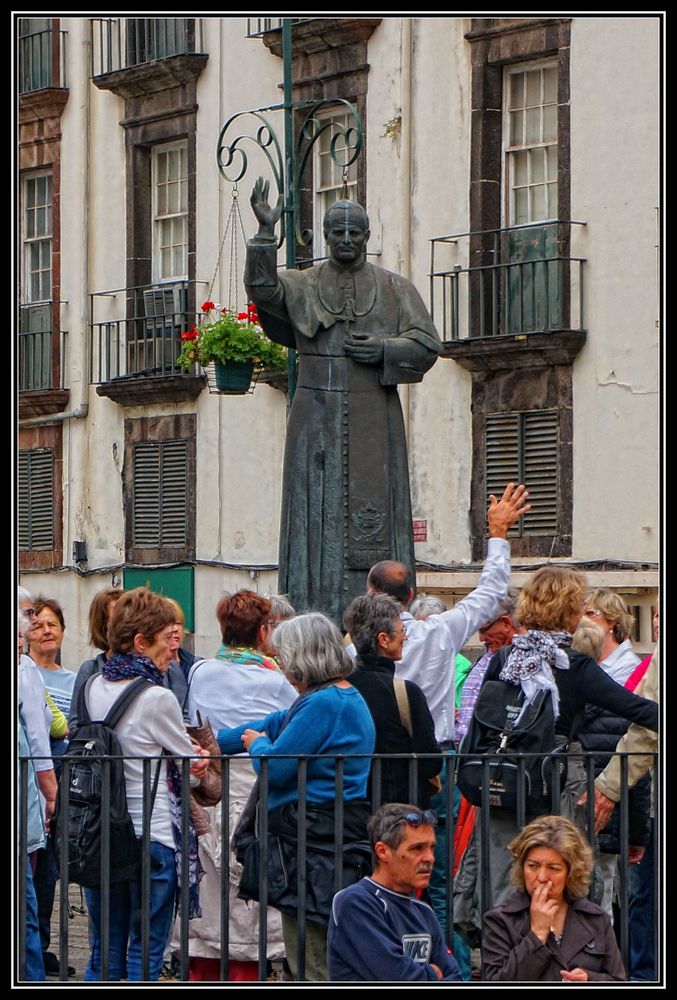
{"x":233,"y":377}
{"x":234,"y":342}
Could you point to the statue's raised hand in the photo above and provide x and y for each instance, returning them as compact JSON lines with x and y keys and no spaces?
{"x":267,"y":217}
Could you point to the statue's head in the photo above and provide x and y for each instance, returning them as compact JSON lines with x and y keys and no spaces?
{"x":346,"y":230}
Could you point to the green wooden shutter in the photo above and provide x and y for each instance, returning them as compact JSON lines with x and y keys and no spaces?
{"x":523,"y":448}
{"x":36,"y":500}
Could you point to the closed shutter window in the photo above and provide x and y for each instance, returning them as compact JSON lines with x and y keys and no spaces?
{"x":160,"y":494}
{"x":36,"y":500}
{"x":523,"y":448}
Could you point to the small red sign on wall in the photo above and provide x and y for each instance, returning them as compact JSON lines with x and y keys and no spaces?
{"x":420,"y":530}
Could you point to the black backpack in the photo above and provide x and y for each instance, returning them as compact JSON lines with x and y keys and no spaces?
{"x":90,"y":740}
{"x":495,"y":730}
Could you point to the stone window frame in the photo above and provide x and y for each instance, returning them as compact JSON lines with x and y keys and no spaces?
{"x":160,"y":429}
{"x":509,"y":376}
{"x":497,"y":43}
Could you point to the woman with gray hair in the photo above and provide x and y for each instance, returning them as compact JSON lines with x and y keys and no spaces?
{"x":398,"y":707}
{"x":328,"y":718}
{"x":608,"y":610}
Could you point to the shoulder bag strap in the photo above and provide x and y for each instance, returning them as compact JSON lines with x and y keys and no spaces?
{"x":191,"y":675}
{"x":124,"y":700}
{"x":403,"y":707}
{"x":637,"y":674}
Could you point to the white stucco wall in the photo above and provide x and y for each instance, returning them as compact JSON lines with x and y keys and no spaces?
{"x":615,"y":128}
{"x":614,"y":188}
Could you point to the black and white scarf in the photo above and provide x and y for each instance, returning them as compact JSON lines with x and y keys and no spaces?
{"x":532,"y":660}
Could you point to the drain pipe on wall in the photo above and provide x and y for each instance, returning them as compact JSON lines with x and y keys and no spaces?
{"x":405,"y":180}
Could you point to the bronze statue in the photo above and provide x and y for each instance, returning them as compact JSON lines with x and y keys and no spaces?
{"x":359,"y":331}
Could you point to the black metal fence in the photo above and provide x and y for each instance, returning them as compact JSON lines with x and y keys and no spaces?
{"x":502,"y":282}
{"x":122,"y":42}
{"x":42,"y":60}
{"x":137,"y":330}
{"x":446,"y":830}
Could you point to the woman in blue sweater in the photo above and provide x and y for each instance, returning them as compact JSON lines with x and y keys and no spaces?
{"x":329,"y":718}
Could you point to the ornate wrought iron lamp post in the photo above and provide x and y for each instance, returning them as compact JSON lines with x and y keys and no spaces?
{"x":288,"y":167}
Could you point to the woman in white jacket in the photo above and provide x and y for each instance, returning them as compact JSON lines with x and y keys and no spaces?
{"x":242,"y":682}
{"x":140,"y":633}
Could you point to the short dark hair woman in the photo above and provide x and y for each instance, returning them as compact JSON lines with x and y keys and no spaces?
{"x":378,"y":635}
{"x":548,"y":931}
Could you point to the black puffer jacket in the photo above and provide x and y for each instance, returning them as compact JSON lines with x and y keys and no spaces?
{"x":599,"y":732}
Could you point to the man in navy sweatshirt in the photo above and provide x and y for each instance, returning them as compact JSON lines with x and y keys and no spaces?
{"x":378,"y":930}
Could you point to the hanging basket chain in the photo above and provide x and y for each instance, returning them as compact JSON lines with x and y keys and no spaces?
{"x":233,"y":223}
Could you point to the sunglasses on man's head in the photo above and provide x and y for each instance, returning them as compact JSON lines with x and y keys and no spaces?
{"x":424,"y":818}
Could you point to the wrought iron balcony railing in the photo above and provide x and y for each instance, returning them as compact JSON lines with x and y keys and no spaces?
{"x":122,"y":42}
{"x":260,"y":25}
{"x":42,"y":60}
{"x":42,"y":349}
{"x":502,"y":282}
{"x":146,"y":340}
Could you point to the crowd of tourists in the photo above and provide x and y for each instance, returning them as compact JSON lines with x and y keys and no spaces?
{"x":343,"y":754}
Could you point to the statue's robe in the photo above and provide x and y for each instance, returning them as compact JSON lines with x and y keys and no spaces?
{"x":345,"y":495}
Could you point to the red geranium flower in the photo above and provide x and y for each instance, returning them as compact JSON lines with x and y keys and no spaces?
{"x":206,"y":306}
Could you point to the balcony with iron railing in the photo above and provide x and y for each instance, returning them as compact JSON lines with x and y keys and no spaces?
{"x":42,"y":360}
{"x":136,"y":340}
{"x":260,"y":25}
{"x":492,"y":289}
{"x":42,"y":61}
{"x":122,"y":43}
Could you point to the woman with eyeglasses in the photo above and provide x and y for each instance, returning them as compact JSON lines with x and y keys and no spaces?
{"x":329,"y":717}
{"x":139,"y":634}
{"x":243,"y":681}
{"x":610,"y":612}
{"x":548,"y":931}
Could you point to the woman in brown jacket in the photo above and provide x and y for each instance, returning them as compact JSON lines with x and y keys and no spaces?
{"x":548,"y":931}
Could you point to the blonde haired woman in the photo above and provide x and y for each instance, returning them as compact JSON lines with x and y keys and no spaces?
{"x":611,"y":613}
{"x":548,"y":931}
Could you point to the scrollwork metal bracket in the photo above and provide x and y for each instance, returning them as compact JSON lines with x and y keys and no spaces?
{"x":233,"y":161}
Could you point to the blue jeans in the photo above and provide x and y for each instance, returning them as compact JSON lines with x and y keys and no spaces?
{"x":124,"y":944}
{"x":642,"y":918}
{"x":437,"y":889}
{"x":35,"y":969}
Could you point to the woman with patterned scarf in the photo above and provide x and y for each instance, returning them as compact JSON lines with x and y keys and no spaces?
{"x":139,"y":635}
{"x":550,"y":607}
{"x":242,"y":682}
